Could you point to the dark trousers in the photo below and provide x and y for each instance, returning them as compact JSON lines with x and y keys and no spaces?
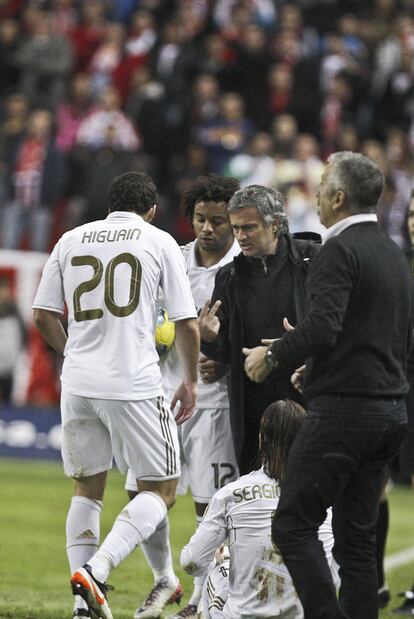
{"x":338,"y":459}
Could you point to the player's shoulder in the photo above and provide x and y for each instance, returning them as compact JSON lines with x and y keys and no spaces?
{"x":165,"y":238}
{"x":187,"y":249}
{"x":71,"y":237}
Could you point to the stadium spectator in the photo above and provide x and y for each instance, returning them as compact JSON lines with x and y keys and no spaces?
{"x":9,"y":44}
{"x":257,"y":165}
{"x":107,"y":145}
{"x":16,"y":109}
{"x":36,"y":175}
{"x":142,"y":34}
{"x":215,"y":57}
{"x":146,"y":107}
{"x":248,"y":72}
{"x":284,"y":132}
{"x":64,"y":16}
{"x":111,"y":324}
{"x":89,"y":32}
{"x":355,"y":340}
{"x":227,"y":134}
{"x":394,"y":210}
{"x":106,"y":58}
{"x":45,"y":60}
{"x":251,"y":296}
{"x":107,"y":125}
{"x":73,"y":111}
{"x":252,"y":580}
{"x":207,"y":453}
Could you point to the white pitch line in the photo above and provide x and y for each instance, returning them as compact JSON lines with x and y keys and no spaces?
{"x":398,"y":559}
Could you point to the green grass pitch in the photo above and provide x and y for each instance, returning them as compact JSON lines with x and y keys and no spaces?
{"x":34,"y":575}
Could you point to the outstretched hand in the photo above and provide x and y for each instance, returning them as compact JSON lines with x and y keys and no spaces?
{"x":208,"y":322}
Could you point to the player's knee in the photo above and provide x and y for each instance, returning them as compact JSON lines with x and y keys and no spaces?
{"x":170,"y":499}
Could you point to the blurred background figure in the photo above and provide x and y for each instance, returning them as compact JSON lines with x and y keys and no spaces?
{"x":12,"y":338}
{"x":45,"y":60}
{"x":36,"y":175}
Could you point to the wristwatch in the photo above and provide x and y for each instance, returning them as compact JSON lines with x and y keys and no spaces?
{"x":270,"y":359}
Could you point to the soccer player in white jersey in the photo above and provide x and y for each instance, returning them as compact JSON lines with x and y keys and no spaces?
{"x":257,"y":584}
{"x":109,"y":273}
{"x":207,"y":452}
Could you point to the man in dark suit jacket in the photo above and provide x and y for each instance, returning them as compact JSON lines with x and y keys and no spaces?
{"x":262,"y":285}
{"x":355,"y":340}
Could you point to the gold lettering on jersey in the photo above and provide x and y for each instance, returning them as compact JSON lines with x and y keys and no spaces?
{"x":111,"y":236}
{"x":133,"y":232}
{"x":250,"y":493}
{"x":89,"y":237}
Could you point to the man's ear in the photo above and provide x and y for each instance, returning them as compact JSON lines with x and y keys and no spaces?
{"x":340,"y":201}
{"x":150,"y":214}
{"x":276,"y":224}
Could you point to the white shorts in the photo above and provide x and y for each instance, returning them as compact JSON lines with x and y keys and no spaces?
{"x":208,"y":461}
{"x":141,"y":435}
{"x":207,"y":453}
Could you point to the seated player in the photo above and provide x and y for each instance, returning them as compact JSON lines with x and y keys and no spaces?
{"x":258,"y":583}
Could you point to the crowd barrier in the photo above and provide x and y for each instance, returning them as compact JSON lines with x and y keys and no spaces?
{"x":30,"y":433}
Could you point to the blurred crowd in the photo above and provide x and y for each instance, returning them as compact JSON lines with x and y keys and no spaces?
{"x":262,"y":90}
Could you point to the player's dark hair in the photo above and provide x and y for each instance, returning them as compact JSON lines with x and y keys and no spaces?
{"x":278,"y":428}
{"x":210,"y":188}
{"x":132,"y":191}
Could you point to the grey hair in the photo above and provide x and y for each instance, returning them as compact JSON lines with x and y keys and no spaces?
{"x":360,"y":178}
{"x":268,"y":201}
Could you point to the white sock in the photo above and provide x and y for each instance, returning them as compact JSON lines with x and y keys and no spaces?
{"x":82,"y":534}
{"x":136,"y":523}
{"x":198,"y":580}
{"x":157,"y":551}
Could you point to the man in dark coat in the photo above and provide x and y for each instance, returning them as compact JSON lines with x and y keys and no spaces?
{"x":265,"y":283}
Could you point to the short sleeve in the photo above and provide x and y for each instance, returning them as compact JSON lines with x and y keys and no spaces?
{"x":50,"y":294}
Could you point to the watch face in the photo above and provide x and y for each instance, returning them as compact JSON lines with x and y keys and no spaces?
{"x":270,"y":361}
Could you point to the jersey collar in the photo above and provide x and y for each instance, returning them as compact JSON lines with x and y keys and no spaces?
{"x":124,"y":216}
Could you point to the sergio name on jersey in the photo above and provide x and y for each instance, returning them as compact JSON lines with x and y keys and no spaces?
{"x":110,"y":273}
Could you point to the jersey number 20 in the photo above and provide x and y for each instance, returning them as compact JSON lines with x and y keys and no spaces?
{"x":109,"y":295}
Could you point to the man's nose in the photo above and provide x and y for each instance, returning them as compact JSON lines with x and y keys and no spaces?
{"x":207,"y":226}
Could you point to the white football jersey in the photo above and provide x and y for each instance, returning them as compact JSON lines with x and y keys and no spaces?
{"x":109,"y":273}
{"x":259,"y":582}
{"x":213,"y":395}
